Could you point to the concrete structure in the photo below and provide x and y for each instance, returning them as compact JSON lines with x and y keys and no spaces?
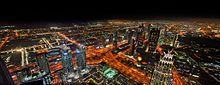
{"x":42,"y":62}
{"x":162,"y":74}
{"x":5,"y":77}
{"x":153,"y":39}
{"x":81,"y":57}
{"x":66,"y":55}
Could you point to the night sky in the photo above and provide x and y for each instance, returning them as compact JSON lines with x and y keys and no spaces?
{"x":84,"y":11}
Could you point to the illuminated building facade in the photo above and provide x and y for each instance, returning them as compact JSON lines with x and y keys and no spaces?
{"x":162,"y":74}
{"x":115,"y":39}
{"x":5,"y":77}
{"x":66,"y":59}
{"x":129,"y":35}
{"x":55,"y":63}
{"x":138,"y":35}
{"x":132,"y":47}
{"x":41,"y":78}
{"x":110,"y":73}
{"x":42,"y":62}
{"x":175,"y":42}
{"x":54,"y":59}
{"x":153,"y":39}
{"x":162,"y":37}
{"x":81,"y":57}
{"x":149,"y":56}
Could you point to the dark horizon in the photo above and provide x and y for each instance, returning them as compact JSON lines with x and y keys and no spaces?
{"x":99,"y":11}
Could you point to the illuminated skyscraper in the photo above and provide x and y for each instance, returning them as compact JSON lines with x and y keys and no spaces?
{"x":81,"y":57}
{"x":132,"y":47}
{"x":42,"y":62}
{"x":175,"y":41}
{"x":5,"y":77}
{"x":138,"y":34}
{"x":162,"y":37}
{"x":66,"y":55}
{"x":153,"y":39}
{"x":162,"y":74}
{"x":129,"y":36}
{"x":115,"y":39}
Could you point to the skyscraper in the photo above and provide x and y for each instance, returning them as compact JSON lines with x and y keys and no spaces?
{"x":153,"y":39}
{"x":129,"y":35}
{"x":81,"y":57}
{"x":132,"y":47}
{"x":175,"y":41}
{"x":162,"y":74}
{"x":138,"y":34}
{"x":116,"y":39}
{"x":5,"y":77}
{"x":42,"y":62}
{"x":66,"y":55}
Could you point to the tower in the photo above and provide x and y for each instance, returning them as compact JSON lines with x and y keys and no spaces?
{"x":5,"y":77}
{"x":81,"y":57}
{"x":162,"y":37}
{"x":175,"y":41}
{"x":42,"y":62}
{"x":115,"y":39}
{"x":129,"y":35}
{"x":66,"y":55}
{"x":138,"y":35}
{"x":162,"y":74}
{"x":131,"y":40}
{"x":153,"y":39}
{"x":132,"y":47}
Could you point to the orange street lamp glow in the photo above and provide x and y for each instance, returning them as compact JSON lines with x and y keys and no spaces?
{"x":139,"y":58}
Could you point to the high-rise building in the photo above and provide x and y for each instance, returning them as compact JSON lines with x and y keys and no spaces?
{"x":40,"y":77}
{"x":138,"y":34}
{"x":162,"y":74}
{"x":110,"y":37}
{"x":175,"y":41}
{"x":162,"y":37}
{"x":153,"y":39}
{"x":131,"y":40}
{"x":66,"y":55}
{"x":132,"y":47}
{"x":42,"y":62}
{"x":116,"y":39}
{"x":81,"y":57}
{"x":5,"y":77}
{"x":129,"y":35}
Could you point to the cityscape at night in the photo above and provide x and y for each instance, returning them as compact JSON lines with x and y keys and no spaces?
{"x":115,"y":52}
{"x":110,"y":43}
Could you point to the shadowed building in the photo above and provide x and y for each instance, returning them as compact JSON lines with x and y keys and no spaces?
{"x":153,"y":39}
{"x":81,"y":57}
{"x":5,"y":77}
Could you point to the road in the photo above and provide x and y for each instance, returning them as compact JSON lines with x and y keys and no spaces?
{"x":204,"y":75}
{"x":3,"y":43}
{"x":177,"y":78}
{"x":204,"y":68}
{"x":106,"y":55}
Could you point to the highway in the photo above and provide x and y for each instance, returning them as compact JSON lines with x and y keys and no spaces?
{"x":105,"y":55}
{"x":96,"y":56}
{"x":177,"y":78}
{"x":203,"y":68}
{"x":3,"y":43}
